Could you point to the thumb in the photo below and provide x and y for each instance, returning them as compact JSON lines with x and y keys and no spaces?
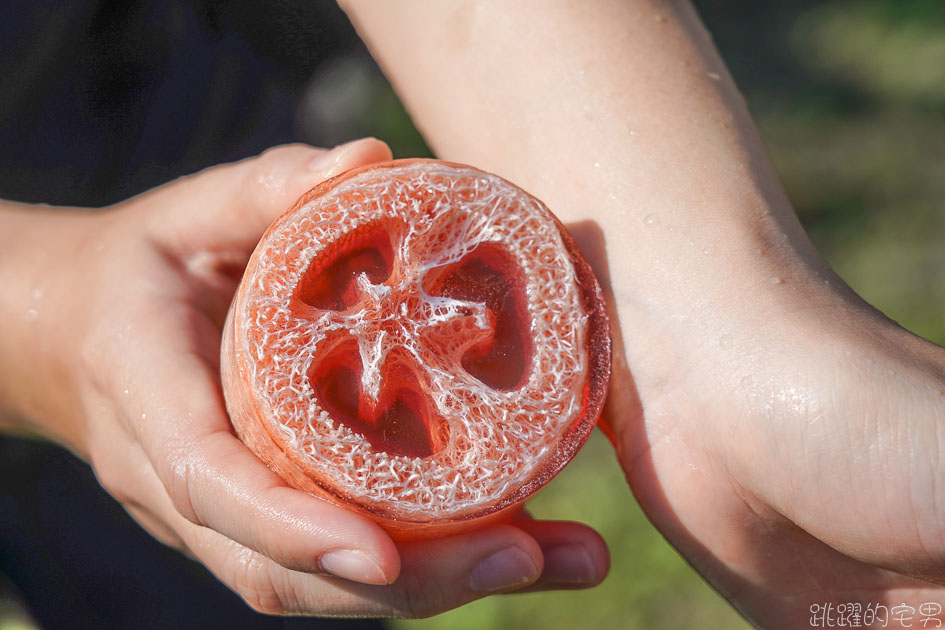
{"x":227,"y":208}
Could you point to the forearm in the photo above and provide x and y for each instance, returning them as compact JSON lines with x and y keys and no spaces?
{"x":622,"y":113}
{"x":619,"y":112}
{"x":37,"y":250}
{"x":766,"y":400}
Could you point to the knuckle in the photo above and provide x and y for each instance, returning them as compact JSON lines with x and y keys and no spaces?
{"x":262,"y":183}
{"x":290,"y":600}
{"x":176,"y":472}
{"x":267,"y":174}
{"x":279,"y":151}
{"x":416,"y":600}
{"x":261,"y":602}
{"x":252,"y":581}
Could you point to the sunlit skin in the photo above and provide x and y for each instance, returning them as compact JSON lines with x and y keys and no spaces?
{"x":111,"y":341}
{"x":784,"y":435}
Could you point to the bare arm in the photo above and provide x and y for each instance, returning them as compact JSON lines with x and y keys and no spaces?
{"x":32,"y":240}
{"x":750,"y":379}
{"x":610,"y":110}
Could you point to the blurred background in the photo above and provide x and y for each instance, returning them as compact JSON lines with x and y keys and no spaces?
{"x":850,"y":99}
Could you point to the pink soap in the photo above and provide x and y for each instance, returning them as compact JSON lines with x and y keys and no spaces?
{"x":420,"y":341}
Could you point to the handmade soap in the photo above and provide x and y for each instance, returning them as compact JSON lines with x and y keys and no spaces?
{"x":420,"y":341}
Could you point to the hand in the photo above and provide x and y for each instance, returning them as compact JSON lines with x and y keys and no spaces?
{"x":783,"y":435}
{"x":120,"y":362}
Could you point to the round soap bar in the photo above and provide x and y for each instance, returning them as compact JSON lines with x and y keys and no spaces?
{"x":420,"y":341}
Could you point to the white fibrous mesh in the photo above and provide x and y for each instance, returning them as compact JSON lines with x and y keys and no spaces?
{"x":496,"y":439}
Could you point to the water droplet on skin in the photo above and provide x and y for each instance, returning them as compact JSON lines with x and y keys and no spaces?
{"x":37,"y":293}
{"x":125,"y":392}
{"x":715,"y":76}
{"x":707,"y":251}
{"x":725,"y":341}
{"x":775,"y":280}
{"x":144,"y":416}
{"x":633,"y":133}
{"x":651,"y":219}
{"x":596,"y":164}
{"x":32,"y":314}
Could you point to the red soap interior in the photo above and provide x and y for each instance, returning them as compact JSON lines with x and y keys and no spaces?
{"x":403,"y":420}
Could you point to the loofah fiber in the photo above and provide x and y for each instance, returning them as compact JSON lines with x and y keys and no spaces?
{"x":415,"y":339}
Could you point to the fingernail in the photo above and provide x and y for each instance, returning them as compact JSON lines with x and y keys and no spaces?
{"x":569,"y":564}
{"x":327,"y":161}
{"x":352,"y":564}
{"x":504,"y":569}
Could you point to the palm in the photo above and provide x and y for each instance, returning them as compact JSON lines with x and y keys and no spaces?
{"x":707,"y":433}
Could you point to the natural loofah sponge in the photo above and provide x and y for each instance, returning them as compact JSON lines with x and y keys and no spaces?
{"x":418,"y":340}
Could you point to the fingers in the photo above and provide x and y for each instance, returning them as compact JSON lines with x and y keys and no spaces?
{"x":221,"y":485}
{"x":271,"y":183}
{"x":575,"y":556}
{"x":124,"y":471}
{"x":225,"y":209}
{"x":214,"y":481}
{"x":437,"y":575}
